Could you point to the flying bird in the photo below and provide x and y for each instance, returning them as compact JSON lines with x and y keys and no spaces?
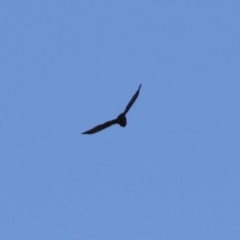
{"x":121,"y":119}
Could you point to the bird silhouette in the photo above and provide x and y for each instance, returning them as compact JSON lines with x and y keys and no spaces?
{"x":121,"y":119}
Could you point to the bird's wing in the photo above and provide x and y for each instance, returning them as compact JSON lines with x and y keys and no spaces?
{"x":101,"y":127}
{"x":132,"y":100}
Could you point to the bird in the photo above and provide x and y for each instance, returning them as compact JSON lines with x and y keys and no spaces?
{"x":121,"y":119}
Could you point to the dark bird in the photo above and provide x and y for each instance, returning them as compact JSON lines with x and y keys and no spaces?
{"x":121,"y":119}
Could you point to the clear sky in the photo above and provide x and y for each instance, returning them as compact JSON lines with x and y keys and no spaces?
{"x":172,"y":173}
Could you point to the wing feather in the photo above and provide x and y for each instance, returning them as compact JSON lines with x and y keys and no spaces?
{"x":101,"y":127}
{"x":132,"y":100}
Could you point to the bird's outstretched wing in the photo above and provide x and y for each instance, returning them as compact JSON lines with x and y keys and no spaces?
{"x":132,"y":100}
{"x":101,"y":127}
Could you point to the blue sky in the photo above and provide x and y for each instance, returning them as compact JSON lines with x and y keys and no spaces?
{"x":172,"y":173}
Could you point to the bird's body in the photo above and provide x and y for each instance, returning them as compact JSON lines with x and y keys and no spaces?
{"x":121,"y":119}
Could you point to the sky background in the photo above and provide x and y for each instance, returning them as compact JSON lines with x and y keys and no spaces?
{"x":172,"y":173}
